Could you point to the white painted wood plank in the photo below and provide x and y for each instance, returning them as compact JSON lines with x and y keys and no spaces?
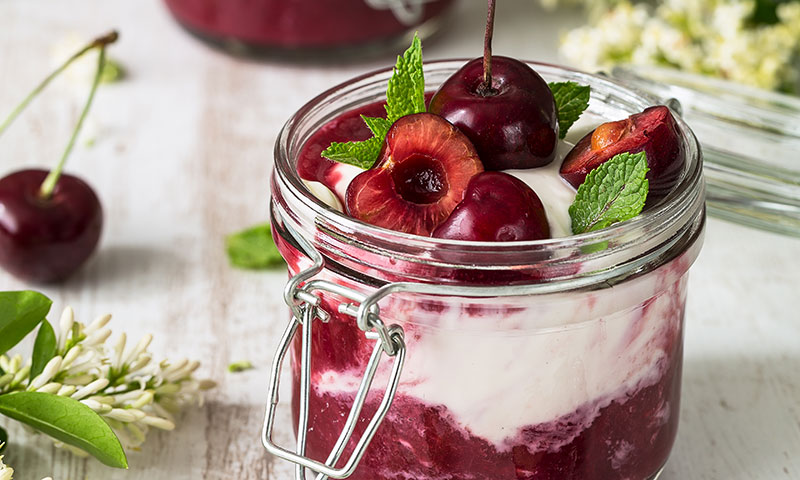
{"x":183,"y":153}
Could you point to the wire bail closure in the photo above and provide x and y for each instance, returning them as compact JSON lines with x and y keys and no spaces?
{"x":302,"y":297}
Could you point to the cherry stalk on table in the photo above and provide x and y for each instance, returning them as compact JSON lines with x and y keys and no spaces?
{"x":50,"y":222}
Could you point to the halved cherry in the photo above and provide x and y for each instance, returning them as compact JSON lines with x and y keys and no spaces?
{"x":419,"y":178}
{"x":653,"y":131}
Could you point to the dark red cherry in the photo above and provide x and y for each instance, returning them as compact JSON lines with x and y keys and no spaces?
{"x":513,"y":124}
{"x":46,"y":240}
{"x":419,"y":178}
{"x":497,"y":207}
{"x":653,"y":131}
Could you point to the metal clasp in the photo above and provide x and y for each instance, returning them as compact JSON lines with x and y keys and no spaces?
{"x":301,"y":294}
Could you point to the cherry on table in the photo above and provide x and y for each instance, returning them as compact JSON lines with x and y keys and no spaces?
{"x":50,"y":222}
{"x":503,"y":106}
{"x":45,"y":240}
{"x":497,"y":207}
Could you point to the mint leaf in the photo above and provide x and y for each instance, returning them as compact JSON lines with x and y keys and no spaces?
{"x":613,"y":192}
{"x":240,"y":366}
{"x":571,"y":100}
{"x":377,"y":125}
{"x":253,"y":249}
{"x":44,"y":348}
{"x":20,"y":312}
{"x":361,"y":154}
{"x":405,"y":95}
{"x":67,"y":420}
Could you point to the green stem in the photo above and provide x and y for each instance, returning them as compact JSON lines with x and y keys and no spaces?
{"x":98,"y":42}
{"x":49,"y":184}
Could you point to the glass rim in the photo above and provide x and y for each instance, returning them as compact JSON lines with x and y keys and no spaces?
{"x":667,"y":214}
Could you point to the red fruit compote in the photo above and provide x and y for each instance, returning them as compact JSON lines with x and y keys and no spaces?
{"x":543,"y":360}
{"x":308,"y":27}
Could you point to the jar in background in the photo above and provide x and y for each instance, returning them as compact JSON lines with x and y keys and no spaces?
{"x":308,"y":28}
{"x":548,"y":359}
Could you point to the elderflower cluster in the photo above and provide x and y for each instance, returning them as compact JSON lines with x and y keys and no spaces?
{"x":712,"y":37}
{"x":120,"y":382}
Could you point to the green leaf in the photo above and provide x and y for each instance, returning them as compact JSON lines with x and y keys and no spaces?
{"x":20,"y":312}
{"x":253,"y":248}
{"x":113,"y":71}
{"x":571,"y":100}
{"x":3,"y":439}
{"x":240,"y":366}
{"x":67,"y":420}
{"x":405,"y":94}
{"x":765,"y":12}
{"x":44,"y":348}
{"x":361,"y":154}
{"x":377,"y":125}
{"x":613,"y":192}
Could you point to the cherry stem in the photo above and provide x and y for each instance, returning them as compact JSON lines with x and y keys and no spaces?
{"x":96,"y":43}
{"x":486,"y":86}
{"x":49,"y":184}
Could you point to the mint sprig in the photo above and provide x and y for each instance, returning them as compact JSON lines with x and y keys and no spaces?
{"x":405,"y":95}
{"x":571,"y":100}
{"x":613,"y":192}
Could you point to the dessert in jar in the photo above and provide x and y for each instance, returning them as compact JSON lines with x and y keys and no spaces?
{"x":513,"y":329}
{"x":308,"y":27}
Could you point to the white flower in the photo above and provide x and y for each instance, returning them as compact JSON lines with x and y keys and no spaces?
{"x":6,"y":472}
{"x":125,"y":386}
{"x":713,"y":37}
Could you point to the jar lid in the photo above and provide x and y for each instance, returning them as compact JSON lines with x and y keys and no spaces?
{"x":750,"y":140}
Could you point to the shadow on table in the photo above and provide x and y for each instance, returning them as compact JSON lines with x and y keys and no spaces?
{"x":128,"y":266}
{"x":740,"y":418}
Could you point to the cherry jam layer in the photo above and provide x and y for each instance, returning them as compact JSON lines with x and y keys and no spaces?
{"x":295,"y":24}
{"x":578,"y":385}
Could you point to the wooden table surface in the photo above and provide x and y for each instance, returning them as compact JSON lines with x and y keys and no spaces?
{"x":182,"y":156}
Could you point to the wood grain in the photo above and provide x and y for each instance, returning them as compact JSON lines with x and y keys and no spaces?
{"x":182,"y":157}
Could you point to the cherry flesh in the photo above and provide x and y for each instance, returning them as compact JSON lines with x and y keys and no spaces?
{"x":513,"y":124}
{"x":419,"y":178}
{"x":497,"y":207}
{"x":46,"y":240}
{"x":653,"y":131}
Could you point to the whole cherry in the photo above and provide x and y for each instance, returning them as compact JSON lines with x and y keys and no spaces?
{"x":50,"y":222}
{"x":47,"y":239}
{"x":497,"y":207}
{"x":503,"y":106}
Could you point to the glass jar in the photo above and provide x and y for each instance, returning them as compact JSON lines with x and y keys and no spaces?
{"x":308,"y":28}
{"x":750,"y":139}
{"x":549,"y":359}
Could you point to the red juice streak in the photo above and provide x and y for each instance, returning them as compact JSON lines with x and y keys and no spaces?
{"x":349,"y":126}
{"x":295,"y":23}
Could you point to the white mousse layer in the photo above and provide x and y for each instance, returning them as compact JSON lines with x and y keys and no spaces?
{"x":498,"y":370}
